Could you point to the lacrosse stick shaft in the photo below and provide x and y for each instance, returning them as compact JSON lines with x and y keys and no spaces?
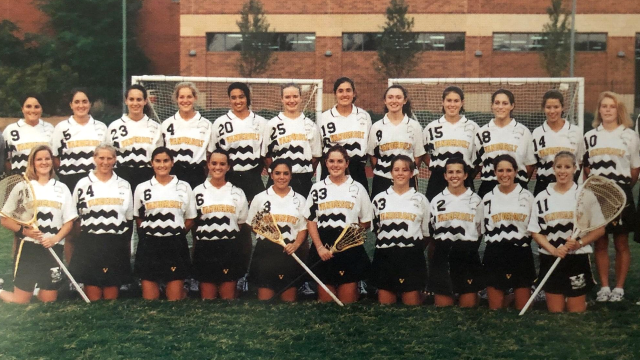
{"x":294,"y":281}
{"x":539,"y":287}
{"x":306,"y":268}
{"x":73,"y":281}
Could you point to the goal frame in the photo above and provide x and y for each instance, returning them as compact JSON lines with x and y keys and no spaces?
{"x":452,"y":81}
{"x":318,"y":82}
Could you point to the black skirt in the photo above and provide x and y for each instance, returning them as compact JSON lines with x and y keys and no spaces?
{"x":455,"y":269}
{"x":102,"y":259}
{"x":218,"y":261}
{"x":249,"y":181}
{"x":399,"y":269}
{"x":508,"y":266}
{"x":162,"y":259}
{"x":35,"y":265}
{"x":272,"y":268}
{"x":571,"y":278}
{"x":135,"y":176}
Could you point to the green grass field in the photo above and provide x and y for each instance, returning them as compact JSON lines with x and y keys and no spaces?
{"x":248,"y":329}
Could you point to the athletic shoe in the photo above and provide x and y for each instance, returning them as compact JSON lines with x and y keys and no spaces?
{"x":306,"y":289}
{"x":616,"y":295}
{"x":638,"y":302}
{"x":541,"y":297}
{"x":1,"y":284}
{"x":483,"y":294}
{"x":243,"y":284}
{"x":362,"y":287}
{"x":194,"y":285}
{"x":603,"y":294}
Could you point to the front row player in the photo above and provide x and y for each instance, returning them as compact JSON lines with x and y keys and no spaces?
{"x":56,"y":212}
{"x":456,"y":222}
{"x":401,"y":224}
{"x":164,"y":208}
{"x":551,"y":225}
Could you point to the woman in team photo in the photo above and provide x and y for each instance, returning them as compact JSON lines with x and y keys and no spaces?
{"x":187,"y":134}
{"x":292,"y":136}
{"x":612,"y":151}
{"x":401,"y":225}
{"x":105,"y":205}
{"x":333,"y":204}
{"x":347,"y":125}
{"x":222,"y":211}
{"x":165,"y":210}
{"x":450,"y":136}
{"x":135,"y":136}
{"x":508,"y":258}
{"x":551,"y":225}
{"x":554,"y":135}
{"x":271,"y":267}
{"x":74,"y":140}
{"x":456,"y":219}
{"x":395,"y":134}
{"x":56,"y":212}
{"x":503,"y":135}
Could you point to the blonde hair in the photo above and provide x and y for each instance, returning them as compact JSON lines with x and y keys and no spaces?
{"x":185,"y":84}
{"x":30,"y":173}
{"x":105,"y":146}
{"x":623,"y":113}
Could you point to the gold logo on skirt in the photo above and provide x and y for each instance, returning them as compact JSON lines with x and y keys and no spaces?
{"x":508,"y":276}
{"x":469,"y":281}
{"x":401,"y":281}
{"x":104,"y":270}
{"x":173,"y":268}
{"x":341,"y":272}
{"x":225,"y":270}
{"x":280,"y":276}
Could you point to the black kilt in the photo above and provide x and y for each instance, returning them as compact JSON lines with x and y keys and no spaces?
{"x":192,"y":174}
{"x":218,"y":261}
{"x":345,"y":267}
{"x":134,"y":176}
{"x":249,"y":181}
{"x":572,"y":277}
{"x":163,"y":258}
{"x":101,"y":259}
{"x":35,"y":265}
{"x":398,"y":269}
{"x":455,"y":268}
{"x":272,"y":268}
{"x":508,"y":266}
{"x":627,"y":222}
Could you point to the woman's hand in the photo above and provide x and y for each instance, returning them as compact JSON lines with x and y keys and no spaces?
{"x":48,"y":242}
{"x":324,"y":253}
{"x":561,"y":251}
{"x":572,"y":244}
{"x":32,"y":233}
{"x":290,"y":248}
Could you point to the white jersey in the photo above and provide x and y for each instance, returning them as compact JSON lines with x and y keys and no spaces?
{"x":552,"y":216}
{"x":20,"y":138}
{"x":297,"y":140}
{"x":164,"y":208}
{"x":492,"y":141}
{"x":54,"y":203}
{"x":456,"y":218}
{"x":104,"y":207}
{"x":547,"y":143}
{"x":242,"y":138}
{"x":612,"y":154}
{"x":386,"y":141}
{"x":74,"y":144}
{"x":220,"y":211}
{"x":506,"y":216}
{"x":189,"y":140}
{"x":400,"y":220}
{"x":352,"y":131}
{"x":134,"y":140}
{"x":444,"y":140}
{"x":287,"y":211}
{"x":334,"y":206}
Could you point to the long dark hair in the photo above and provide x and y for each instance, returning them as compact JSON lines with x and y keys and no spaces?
{"x":242,"y":87}
{"x":339,"y":149}
{"x":229,"y":161}
{"x":406,"y":108}
{"x":453,"y":89}
{"x":342,"y":80}
{"x":509,"y":94}
{"x":553,"y":94}
{"x":147,"y":108}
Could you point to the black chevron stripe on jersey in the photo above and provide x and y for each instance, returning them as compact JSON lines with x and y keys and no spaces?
{"x":133,"y":163}
{"x":241,"y":150}
{"x":76,"y":155}
{"x":162,"y":231}
{"x":559,"y":228}
{"x":211,"y":221}
{"x":246,"y":162}
{"x":313,"y":210}
{"x":45,"y":216}
{"x":133,"y":151}
{"x":288,"y":151}
{"x":620,"y":179}
{"x":286,"y":229}
{"x":429,"y":148}
{"x":75,"y":168}
{"x":446,"y":156}
{"x":160,"y":217}
{"x":352,"y":147}
{"x":96,"y":214}
{"x":394,"y":226}
{"x":384,"y":169}
{"x":182,"y":152}
{"x":325,"y":218}
{"x":10,"y":148}
{"x":502,"y":229}
{"x":394,"y":241}
{"x":222,"y":234}
{"x":601,"y":164}
{"x":545,"y":166}
{"x":48,"y":229}
{"x":19,"y":157}
{"x":300,"y":162}
{"x":103,"y":227}
{"x":453,"y":230}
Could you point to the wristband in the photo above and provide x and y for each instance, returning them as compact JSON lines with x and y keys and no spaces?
{"x":581,"y":243}
{"x":19,"y":233}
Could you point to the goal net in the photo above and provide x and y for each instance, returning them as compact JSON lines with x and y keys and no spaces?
{"x":426,"y":101}
{"x":213,"y":100}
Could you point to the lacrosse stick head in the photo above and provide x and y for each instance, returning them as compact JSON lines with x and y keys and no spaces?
{"x":352,"y":236}
{"x":18,"y":199}
{"x":265,"y":225}
{"x":599,"y":202}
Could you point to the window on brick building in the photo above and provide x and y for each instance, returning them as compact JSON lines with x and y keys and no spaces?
{"x":298,"y":42}
{"x":518,"y":41}
{"x":591,"y":42}
{"x":428,"y":41}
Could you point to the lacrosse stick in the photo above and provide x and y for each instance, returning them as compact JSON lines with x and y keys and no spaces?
{"x":264,"y":224}
{"x":598,"y":193}
{"x":17,"y":192}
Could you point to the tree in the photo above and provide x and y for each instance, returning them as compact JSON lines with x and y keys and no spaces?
{"x":256,"y":54}
{"x":555,"y":55}
{"x":397,"y":46}
{"x":88,"y":37}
